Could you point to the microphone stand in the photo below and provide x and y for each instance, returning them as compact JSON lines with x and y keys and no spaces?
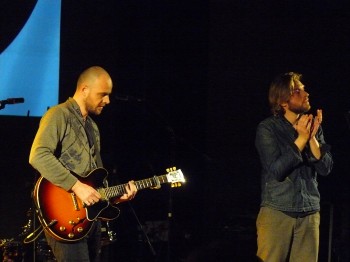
{"x":173,"y":140}
{"x":170,"y":217}
{"x":140,"y":226}
{"x":34,"y":224}
{"x":347,"y":117}
{"x":153,"y":112}
{"x":142,"y":230}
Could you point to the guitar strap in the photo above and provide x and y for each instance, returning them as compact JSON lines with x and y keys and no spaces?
{"x":89,"y":133}
{"x":92,"y":141}
{"x":98,"y":159}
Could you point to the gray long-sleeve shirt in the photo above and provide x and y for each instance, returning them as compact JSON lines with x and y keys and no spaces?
{"x":61,"y":146}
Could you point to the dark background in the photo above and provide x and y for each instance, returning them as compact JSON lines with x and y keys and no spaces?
{"x":196,"y":74}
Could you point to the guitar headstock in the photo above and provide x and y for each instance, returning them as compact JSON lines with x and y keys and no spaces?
{"x":175,"y":177}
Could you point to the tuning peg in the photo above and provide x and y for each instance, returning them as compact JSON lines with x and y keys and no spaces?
{"x":170,"y":169}
{"x":177,"y":184}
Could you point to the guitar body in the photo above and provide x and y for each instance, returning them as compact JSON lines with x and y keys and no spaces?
{"x":63,"y":215}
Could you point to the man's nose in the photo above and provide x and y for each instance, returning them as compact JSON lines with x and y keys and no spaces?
{"x":106,"y":100}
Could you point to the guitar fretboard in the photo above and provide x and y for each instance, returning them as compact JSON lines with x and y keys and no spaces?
{"x":120,"y":190}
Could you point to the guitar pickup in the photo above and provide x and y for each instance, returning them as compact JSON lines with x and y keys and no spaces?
{"x":75,"y":202}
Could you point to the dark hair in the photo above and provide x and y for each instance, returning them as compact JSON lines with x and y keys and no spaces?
{"x":280,"y":91}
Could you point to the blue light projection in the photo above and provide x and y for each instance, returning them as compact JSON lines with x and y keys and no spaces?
{"x":29,"y":66}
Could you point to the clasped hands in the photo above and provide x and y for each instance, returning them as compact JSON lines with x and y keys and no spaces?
{"x":307,"y":125}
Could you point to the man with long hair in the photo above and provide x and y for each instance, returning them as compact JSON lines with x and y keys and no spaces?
{"x":292,"y":152}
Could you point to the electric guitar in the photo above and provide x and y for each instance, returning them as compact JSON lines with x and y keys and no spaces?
{"x":66,"y":218}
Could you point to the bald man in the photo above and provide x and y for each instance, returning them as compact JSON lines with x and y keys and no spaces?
{"x":67,"y":146}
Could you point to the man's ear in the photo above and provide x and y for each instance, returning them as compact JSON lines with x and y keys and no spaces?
{"x":85,"y":90}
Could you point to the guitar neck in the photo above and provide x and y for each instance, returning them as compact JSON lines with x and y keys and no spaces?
{"x":119,"y":190}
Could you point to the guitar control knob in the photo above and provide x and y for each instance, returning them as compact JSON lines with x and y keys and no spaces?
{"x":70,"y":235}
{"x":80,"y":229}
{"x":62,"y":228}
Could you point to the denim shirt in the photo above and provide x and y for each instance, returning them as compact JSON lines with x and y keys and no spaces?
{"x":289,"y":177}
